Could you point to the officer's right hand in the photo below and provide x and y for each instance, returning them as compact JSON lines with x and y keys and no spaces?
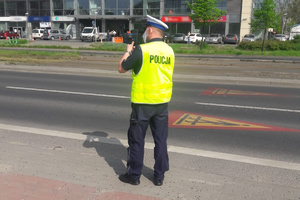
{"x":130,"y":47}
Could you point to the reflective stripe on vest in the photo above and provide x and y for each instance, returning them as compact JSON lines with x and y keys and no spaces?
{"x":153,"y":84}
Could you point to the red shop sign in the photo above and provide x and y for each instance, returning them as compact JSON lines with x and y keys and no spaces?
{"x":176,"y":19}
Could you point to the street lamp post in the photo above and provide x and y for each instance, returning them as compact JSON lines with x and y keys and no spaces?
{"x":96,"y":12}
{"x":283,"y":16}
{"x":26,"y":14}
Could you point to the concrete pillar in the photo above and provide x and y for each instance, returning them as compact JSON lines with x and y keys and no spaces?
{"x":145,"y":5}
{"x":76,"y":7}
{"x":227,"y":25}
{"x":131,"y":25}
{"x":192,"y":27}
{"x":246,"y":14}
{"x":162,"y":9}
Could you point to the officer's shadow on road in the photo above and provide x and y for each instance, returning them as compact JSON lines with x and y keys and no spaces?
{"x":113,"y":152}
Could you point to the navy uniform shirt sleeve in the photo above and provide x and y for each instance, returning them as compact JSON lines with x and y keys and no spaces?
{"x":134,"y":62}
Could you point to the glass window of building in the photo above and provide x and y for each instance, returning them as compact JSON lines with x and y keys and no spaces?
{"x":44,"y":8}
{"x":117,"y":7}
{"x":83,"y":7}
{"x":39,"y":7}
{"x":2,"y":8}
{"x":16,"y":8}
{"x":69,"y":7}
{"x":123,"y":7}
{"x":222,"y":5}
{"x":110,"y":7}
{"x":138,"y":7}
{"x":153,"y":7}
{"x":34,"y":8}
{"x":235,"y":28}
{"x":11,"y":8}
{"x":176,"y":7}
{"x":58,"y":7}
{"x":217,"y":28}
{"x":95,"y":6}
{"x":58,"y":4}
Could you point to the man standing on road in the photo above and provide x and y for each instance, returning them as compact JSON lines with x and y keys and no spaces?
{"x":152,"y":67}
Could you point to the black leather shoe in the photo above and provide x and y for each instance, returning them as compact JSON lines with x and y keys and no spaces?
{"x":158,"y":182}
{"x":126,"y":178}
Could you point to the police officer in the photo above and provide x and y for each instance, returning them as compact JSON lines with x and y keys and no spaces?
{"x":152,"y":67}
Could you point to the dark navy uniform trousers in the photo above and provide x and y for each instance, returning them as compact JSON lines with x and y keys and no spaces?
{"x":157,"y":117}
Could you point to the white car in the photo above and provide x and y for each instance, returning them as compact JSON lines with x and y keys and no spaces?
{"x":280,"y":37}
{"x":194,"y":37}
{"x":37,"y":33}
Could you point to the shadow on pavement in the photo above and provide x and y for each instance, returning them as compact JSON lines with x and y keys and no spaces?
{"x":114,"y":153}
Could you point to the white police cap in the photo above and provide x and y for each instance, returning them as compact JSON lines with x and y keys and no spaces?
{"x":156,"y":23}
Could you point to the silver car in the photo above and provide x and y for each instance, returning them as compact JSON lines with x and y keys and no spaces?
{"x":51,"y":34}
{"x":214,"y":38}
{"x":249,"y":38}
{"x":179,"y":37}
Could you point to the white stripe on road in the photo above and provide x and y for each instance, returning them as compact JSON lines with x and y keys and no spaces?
{"x":172,"y":149}
{"x":247,"y":107}
{"x":68,"y":92}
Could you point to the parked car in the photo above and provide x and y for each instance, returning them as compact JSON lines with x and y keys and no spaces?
{"x":8,"y":34}
{"x":214,"y":38}
{"x":179,"y":37}
{"x":280,"y":37}
{"x":37,"y":33}
{"x":231,"y":38}
{"x":194,"y":37}
{"x":51,"y":34}
{"x":168,"y":37}
{"x":249,"y":38}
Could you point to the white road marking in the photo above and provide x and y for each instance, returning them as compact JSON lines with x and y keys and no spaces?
{"x":172,"y":149}
{"x":247,"y":107}
{"x":67,"y":92}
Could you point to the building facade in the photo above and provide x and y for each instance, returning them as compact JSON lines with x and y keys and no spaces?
{"x":118,"y":15}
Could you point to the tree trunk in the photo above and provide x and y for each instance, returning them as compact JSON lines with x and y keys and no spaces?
{"x":202,"y":31}
{"x":263,"y":43}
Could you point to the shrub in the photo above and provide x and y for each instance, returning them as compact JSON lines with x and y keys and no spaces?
{"x":205,"y":45}
{"x":250,"y":45}
{"x":271,"y":45}
{"x":296,"y":39}
{"x":22,"y":41}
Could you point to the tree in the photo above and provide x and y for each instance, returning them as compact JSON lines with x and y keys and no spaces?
{"x":204,"y":13}
{"x":281,"y":10}
{"x":293,"y":11}
{"x":264,"y":17}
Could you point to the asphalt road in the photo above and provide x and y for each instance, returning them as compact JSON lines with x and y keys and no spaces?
{"x":46,"y":112}
{"x":234,"y":130}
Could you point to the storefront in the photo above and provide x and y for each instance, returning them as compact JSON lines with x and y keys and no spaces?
{"x":66,"y":23}
{"x":118,"y":15}
{"x":15,"y":24}
{"x":183,"y":24}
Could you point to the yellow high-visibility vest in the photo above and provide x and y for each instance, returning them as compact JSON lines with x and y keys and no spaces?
{"x":153,"y":84}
